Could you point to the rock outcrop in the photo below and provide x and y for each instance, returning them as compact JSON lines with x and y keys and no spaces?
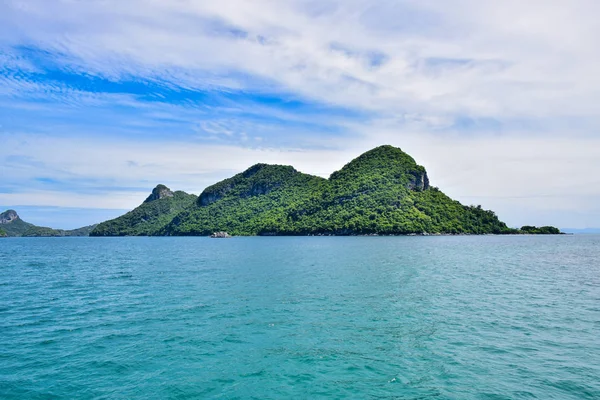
{"x":220,"y":235}
{"x":420,"y":181}
{"x":8,"y":216}
{"x":159,"y":192}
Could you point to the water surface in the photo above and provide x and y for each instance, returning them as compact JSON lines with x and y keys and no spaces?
{"x":481,"y":317}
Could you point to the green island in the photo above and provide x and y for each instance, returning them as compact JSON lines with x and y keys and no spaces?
{"x":382,"y":192}
{"x":542,"y":230}
{"x":12,"y":225}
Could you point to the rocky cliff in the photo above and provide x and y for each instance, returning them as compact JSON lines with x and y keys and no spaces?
{"x":159,"y":192}
{"x":8,"y":216}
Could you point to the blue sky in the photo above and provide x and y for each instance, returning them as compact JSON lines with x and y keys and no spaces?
{"x":101,"y":101}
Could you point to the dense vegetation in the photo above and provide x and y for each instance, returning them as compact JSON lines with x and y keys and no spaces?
{"x":3,"y":233}
{"x":36,"y":231}
{"x":383,"y":191}
{"x":147,"y":219}
{"x":254,"y":202}
{"x":83,"y":231}
{"x":542,"y":230}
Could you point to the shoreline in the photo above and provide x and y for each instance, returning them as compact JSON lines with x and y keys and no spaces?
{"x":316,"y":235}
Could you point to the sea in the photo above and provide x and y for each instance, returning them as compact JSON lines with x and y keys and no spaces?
{"x":424,"y":317}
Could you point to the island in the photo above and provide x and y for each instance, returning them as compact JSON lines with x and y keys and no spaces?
{"x":11,"y":224}
{"x":382,"y":192}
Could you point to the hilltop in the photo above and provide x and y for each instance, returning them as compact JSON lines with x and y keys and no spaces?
{"x":11,"y":224}
{"x":256,"y":201}
{"x":159,"y":208}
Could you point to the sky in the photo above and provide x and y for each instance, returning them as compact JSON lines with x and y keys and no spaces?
{"x":100,"y":101}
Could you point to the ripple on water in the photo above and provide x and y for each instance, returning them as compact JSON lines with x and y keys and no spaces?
{"x":391,"y":317}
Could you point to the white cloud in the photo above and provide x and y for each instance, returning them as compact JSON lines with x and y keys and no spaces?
{"x":535,"y":59}
{"x":413,"y":66}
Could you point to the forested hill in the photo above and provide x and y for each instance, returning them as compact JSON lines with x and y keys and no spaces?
{"x":257,"y":201}
{"x":161,"y":206}
{"x":383,"y":191}
{"x":11,"y":224}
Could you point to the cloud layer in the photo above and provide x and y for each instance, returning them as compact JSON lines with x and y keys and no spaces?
{"x":500,"y":100}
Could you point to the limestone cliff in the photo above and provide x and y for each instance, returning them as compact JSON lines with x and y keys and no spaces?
{"x":8,"y":216}
{"x":159,"y":192}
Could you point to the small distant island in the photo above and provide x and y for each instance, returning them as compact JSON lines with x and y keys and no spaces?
{"x":382,"y":192}
{"x":542,"y":230}
{"x":12,"y":225}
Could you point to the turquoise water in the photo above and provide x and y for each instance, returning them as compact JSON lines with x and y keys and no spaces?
{"x":483,"y":317}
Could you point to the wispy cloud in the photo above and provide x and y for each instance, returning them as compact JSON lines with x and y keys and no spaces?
{"x":500,"y":100}
{"x":514,"y":58}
